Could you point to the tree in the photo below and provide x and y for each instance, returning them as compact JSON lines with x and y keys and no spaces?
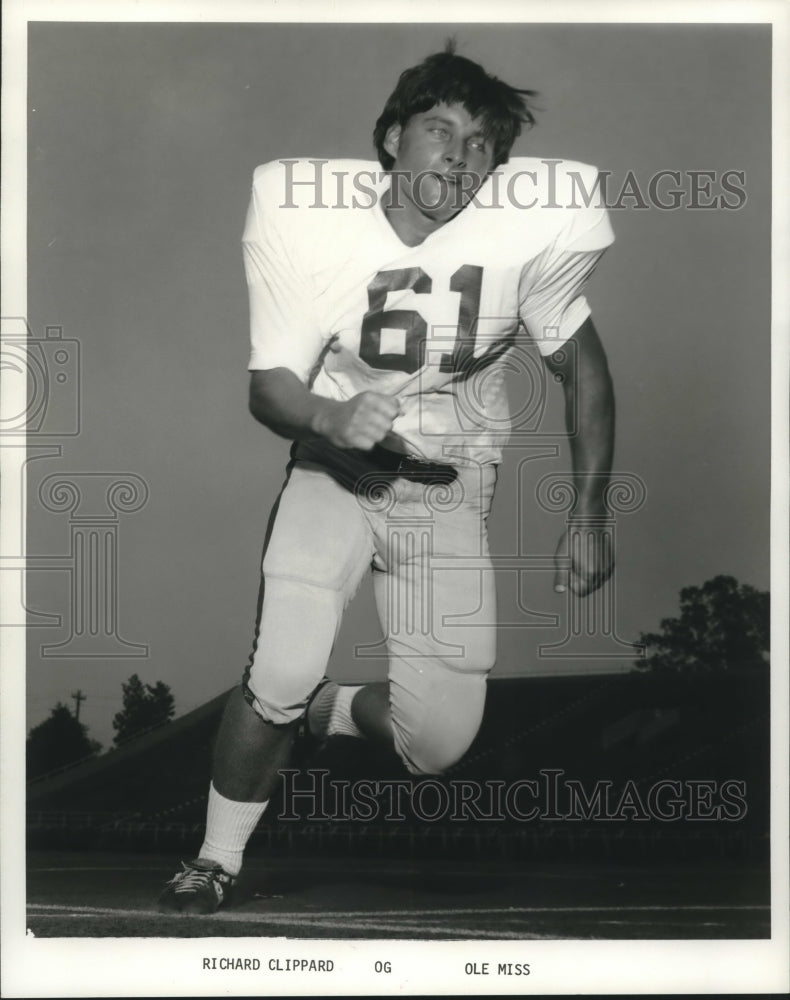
{"x":723,"y":626}
{"x":57,"y":741}
{"x":144,"y":706}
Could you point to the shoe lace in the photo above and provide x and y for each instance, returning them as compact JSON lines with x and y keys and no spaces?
{"x":194,"y":878}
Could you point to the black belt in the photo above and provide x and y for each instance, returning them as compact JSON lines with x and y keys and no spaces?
{"x":348,"y":465}
{"x":417,"y":469}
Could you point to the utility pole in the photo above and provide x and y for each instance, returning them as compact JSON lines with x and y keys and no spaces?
{"x":78,"y":696}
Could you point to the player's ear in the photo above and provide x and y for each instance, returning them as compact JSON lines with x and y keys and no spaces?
{"x":392,"y":139}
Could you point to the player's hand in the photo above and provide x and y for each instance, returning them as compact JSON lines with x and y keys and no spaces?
{"x":591,"y":559}
{"x":359,"y":422}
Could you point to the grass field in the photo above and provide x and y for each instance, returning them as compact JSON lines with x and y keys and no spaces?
{"x":81,"y":894}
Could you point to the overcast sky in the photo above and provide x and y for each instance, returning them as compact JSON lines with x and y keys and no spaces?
{"x":142,"y":143}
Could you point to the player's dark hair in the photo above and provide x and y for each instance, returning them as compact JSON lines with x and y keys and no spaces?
{"x":445,"y":78}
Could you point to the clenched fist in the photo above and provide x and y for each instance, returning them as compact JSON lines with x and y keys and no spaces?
{"x":584,"y":559}
{"x":359,"y":422}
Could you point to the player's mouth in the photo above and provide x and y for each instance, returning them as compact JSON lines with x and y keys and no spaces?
{"x":451,"y":187}
{"x":452,"y":180}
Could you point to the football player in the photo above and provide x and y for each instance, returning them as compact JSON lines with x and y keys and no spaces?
{"x":385,"y":300}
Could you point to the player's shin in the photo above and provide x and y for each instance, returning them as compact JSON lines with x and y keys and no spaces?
{"x":229,"y":826}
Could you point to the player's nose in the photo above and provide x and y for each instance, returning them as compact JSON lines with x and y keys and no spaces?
{"x":453,"y":156}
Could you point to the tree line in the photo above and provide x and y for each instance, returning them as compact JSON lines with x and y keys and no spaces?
{"x":61,"y":739}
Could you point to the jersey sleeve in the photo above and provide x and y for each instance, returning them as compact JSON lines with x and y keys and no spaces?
{"x":283,"y":329}
{"x":551,"y":304}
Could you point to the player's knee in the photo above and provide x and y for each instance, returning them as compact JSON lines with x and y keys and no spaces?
{"x":274,"y":706}
{"x":448,"y":723}
{"x":423,"y":760}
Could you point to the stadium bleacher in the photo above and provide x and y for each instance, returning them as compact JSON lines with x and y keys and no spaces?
{"x":638,"y":728}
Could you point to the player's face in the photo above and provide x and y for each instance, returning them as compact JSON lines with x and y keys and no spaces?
{"x":441,"y":159}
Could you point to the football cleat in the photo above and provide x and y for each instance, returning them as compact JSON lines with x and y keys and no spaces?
{"x":201,"y":887}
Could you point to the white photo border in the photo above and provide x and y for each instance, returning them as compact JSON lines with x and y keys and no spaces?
{"x":171,"y":967}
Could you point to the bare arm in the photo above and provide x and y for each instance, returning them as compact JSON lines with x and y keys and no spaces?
{"x":281,"y":402}
{"x":590,"y":418}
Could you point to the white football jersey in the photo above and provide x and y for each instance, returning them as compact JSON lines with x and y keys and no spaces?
{"x":340,"y":300}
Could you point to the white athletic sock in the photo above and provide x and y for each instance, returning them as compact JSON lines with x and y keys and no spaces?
{"x":229,"y":825}
{"x":330,"y":711}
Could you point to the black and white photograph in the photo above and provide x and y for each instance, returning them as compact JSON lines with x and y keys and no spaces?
{"x":394,"y":516}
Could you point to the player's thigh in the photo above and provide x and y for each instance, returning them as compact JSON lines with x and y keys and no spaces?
{"x":436,"y":593}
{"x":318,"y":550}
{"x":319,"y":535}
{"x":437,"y":601}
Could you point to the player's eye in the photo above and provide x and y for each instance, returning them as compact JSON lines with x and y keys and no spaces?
{"x":440,"y":133}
